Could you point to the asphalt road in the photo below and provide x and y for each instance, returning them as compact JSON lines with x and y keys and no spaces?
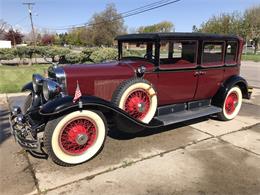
{"x":203,"y":156}
{"x":251,"y":71}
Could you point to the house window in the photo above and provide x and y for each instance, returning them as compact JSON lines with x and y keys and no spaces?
{"x":231,"y":52}
{"x":213,"y":53}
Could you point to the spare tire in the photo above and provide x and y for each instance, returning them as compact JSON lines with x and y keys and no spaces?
{"x":138,"y":98}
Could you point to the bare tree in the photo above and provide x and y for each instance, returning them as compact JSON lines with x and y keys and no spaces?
{"x":3,"y":28}
{"x":252,"y":25}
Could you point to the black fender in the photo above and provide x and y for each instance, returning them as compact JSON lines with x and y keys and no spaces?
{"x":64,"y":105}
{"x":27,"y":87}
{"x":36,"y":98}
{"x":219,"y":98}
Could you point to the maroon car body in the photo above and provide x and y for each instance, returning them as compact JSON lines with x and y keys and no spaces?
{"x":158,"y":79}
{"x":104,"y":78}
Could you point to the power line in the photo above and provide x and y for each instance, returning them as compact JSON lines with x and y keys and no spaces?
{"x":126,"y":14}
{"x":120,"y":14}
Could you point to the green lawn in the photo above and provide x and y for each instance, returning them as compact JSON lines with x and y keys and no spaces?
{"x":12,"y":78}
{"x":251,"y":57}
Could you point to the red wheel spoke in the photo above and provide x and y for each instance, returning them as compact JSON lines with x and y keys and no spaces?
{"x":78,"y":136}
{"x":137,"y":104}
{"x":231,"y":103}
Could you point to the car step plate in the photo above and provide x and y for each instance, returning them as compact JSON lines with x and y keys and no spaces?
{"x":188,"y":114}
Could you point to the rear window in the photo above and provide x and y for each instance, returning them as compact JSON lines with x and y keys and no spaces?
{"x":213,"y":53}
{"x":231,"y":53}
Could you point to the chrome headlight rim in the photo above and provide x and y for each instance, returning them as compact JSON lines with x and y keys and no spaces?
{"x":50,"y":89}
{"x":37,"y":81}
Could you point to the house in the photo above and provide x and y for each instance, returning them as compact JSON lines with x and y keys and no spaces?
{"x":5,"y":44}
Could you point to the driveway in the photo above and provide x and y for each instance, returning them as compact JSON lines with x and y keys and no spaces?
{"x":203,"y":156}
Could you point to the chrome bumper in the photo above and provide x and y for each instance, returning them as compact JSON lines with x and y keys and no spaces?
{"x":22,"y":132}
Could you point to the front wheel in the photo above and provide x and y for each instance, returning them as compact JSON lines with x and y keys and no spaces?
{"x":76,"y":137}
{"x":231,"y":105}
{"x":138,"y":98}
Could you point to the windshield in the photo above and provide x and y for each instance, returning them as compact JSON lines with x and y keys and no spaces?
{"x":138,"y":49}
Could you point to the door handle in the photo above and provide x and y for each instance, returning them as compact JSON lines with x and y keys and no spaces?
{"x":202,"y":72}
{"x":196,"y":73}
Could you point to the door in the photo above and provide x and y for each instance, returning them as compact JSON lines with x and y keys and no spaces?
{"x":212,"y":71}
{"x":177,"y":80}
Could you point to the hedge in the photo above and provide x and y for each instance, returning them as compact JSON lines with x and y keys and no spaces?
{"x":64,"y":55}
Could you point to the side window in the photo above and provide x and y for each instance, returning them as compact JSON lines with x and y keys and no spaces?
{"x":213,"y":53}
{"x":231,"y":52}
{"x":178,"y":54}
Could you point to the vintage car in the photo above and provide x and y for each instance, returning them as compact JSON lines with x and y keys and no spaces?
{"x":159,"y":79}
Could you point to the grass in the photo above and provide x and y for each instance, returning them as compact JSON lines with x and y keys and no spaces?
{"x":251,"y":57}
{"x":12,"y":78}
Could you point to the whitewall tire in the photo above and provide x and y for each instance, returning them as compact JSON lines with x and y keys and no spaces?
{"x":232,"y":104}
{"x":76,"y":137}
{"x":138,"y":98}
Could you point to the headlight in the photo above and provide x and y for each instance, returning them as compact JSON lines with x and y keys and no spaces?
{"x":50,"y":89}
{"x":37,"y":82}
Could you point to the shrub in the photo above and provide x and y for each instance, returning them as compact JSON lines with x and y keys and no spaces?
{"x":103,"y":54}
{"x":7,"y":54}
{"x":87,"y":53}
{"x":53,"y":52}
{"x":74,"y":58}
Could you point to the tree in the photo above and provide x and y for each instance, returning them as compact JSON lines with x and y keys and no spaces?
{"x":195,"y":28}
{"x":14,"y":36}
{"x":102,"y":29}
{"x":224,"y":23}
{"x":252,"y":25}
{"x":48,"y":39}
{"x":164,"y":26}
{"x":105,"y":26}
{"x":3,"y":28}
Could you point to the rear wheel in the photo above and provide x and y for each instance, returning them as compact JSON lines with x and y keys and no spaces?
{"x":75,"y":138}
{"x":232,"y":104}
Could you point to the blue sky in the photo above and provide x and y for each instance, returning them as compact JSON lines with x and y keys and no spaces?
{"x":58,"y":13}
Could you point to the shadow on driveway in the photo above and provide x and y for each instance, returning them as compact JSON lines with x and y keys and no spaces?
{"x":5,"y":132}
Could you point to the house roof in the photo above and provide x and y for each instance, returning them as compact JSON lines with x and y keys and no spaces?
{"x":175,"y":35}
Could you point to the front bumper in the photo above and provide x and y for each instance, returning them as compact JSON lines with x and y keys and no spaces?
{"x":23,"y":134}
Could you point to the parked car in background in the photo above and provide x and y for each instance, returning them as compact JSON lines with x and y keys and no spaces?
{"x":158,"y":80}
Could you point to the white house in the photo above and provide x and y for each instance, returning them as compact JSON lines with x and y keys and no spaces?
{"x":5,"y":44}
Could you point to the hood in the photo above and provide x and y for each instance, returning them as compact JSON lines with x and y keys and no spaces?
{"x":97,"y":79}
{"x":101,"y":79}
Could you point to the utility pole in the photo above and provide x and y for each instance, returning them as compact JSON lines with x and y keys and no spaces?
{"x":30,"y":14}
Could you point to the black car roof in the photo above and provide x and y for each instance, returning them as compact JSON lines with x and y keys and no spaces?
{"x":175,"y":35}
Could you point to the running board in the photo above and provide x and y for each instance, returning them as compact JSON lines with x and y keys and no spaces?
{"x":188,"y":114}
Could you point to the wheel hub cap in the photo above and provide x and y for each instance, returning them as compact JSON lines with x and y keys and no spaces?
{"x":78,"y":136}
{"x":81,"y":139}
{"x":231,"y":103}
{"x":137,"y":104}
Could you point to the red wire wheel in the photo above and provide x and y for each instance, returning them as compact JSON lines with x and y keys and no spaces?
{"x":231,"y":103}
{"x":137,"y":104}
{"x":138,"y":98}
{"x":77,"y":136}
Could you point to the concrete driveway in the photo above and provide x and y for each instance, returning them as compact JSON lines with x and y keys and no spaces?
{"x":203,"y":156}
